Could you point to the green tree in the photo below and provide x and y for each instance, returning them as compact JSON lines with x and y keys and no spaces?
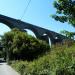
{"x":65,"y":11}
{"x":7,"y":41}
{"x":68,"y":34}
{"x":20,"y":45}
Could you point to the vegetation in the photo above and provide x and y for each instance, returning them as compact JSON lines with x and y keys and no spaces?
{"x":21,"y":46}
{"x":65,"y":11}
{"x":1,"y":54}
{"x":60,"y":61}
{"x":68,"y":34}
{"x":22,"y":49}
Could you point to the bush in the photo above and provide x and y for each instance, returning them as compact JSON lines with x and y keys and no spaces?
{"x":60,"y":61}
{"x":22,"y":46}
{"x":19,"y":66}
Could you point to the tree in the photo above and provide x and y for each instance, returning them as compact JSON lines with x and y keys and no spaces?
{"x":65,"y":11}
{"x":20,"y":45}
{"x":68,"y":34}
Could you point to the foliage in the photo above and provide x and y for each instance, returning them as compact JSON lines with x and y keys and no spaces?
{"x":65,"y":11}
{"x":20,"y":45}
{"x":1,"y":54}
{"x":60,"y":61}
{"x":68,"y":34}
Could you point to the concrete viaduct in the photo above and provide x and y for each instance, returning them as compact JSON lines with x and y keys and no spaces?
{"x":40,"y":33}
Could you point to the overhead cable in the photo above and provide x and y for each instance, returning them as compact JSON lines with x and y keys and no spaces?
{"x":25,"y":10}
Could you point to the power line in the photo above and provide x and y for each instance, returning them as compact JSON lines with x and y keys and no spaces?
{"x":26,"y":9}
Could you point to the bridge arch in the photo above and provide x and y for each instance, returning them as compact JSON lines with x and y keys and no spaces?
{"x":4,"y":28}
{"x":47,"y":38}
{"x":13,"y":23}
{"x":30,"y":32}
{"x":33,"y":30}
{"x":10,"y":26}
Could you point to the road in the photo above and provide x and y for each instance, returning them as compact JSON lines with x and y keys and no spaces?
{"x":7,"y":70}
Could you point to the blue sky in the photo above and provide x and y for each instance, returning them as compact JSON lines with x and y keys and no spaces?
{"x":38,"y":13}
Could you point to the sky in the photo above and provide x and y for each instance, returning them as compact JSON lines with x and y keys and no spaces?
{"x":38,"y":13}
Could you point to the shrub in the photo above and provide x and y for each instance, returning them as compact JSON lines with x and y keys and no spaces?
{"x":60,"y":61}
{"x":20,"y":45}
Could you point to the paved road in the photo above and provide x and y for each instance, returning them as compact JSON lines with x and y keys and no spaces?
{"x":7,"y":70}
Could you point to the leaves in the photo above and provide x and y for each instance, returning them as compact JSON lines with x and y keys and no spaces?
{"x":59,"y":61}
{"x":20,"y":45}
{"x":68,"y":34}
{"x":67,"y":10}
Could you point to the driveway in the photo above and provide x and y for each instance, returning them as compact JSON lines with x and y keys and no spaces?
{"x":7,"y":70}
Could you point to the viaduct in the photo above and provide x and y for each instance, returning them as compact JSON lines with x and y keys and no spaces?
{"x":40,"y":33}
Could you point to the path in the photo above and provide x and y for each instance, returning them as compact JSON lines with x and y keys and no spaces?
{"x":7,"y":70}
